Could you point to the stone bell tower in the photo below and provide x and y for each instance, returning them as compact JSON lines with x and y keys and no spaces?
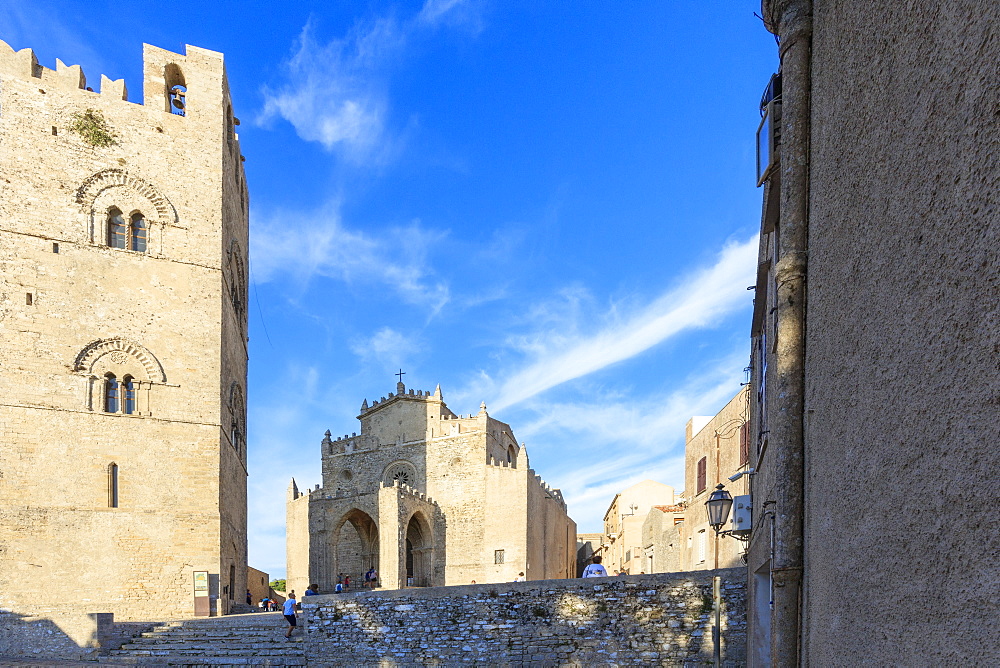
{"x":123,"y":340}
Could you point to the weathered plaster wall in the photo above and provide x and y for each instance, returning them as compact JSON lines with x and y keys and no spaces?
{"x":647,"y":620}
{"x":718,"y":442}
{"x":903,"y":380}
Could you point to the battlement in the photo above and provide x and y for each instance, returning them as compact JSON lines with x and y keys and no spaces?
{"x":553,"y":493}
{"x":406,"y":490}
{"x":167,"y":77}
{"x":402,"y":394}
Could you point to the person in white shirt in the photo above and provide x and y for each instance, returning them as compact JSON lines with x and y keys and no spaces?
{"x":520,"y":577}
{"x":595,"y":570}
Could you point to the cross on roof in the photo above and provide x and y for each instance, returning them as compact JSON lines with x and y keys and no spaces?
{"x":400,"y":374}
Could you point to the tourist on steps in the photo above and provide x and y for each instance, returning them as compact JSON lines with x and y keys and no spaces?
{"x":595,"y":570}
{"x":289,"y":612}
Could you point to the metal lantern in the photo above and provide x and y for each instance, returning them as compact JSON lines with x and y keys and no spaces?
{"x":719,"y":503}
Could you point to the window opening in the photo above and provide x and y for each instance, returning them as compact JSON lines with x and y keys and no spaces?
{"x":176,"y":90}
{"x":498,"y":556}
{"x":744,"y":443}
{"x":702,"y":475}
{"x":29,"y":298}
{"x":129,"y":386}
{"x":110,"y":393}
{"x":54,"y":131}
{"x":117,"y":230}
{"x":178,"y":100}
{"x":138,"y":233}
{"x":112,"y":485}
{"x":55,"y":248}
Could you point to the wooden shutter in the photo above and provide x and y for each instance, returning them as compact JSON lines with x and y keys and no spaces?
{"x":744,"y":444}
{"x":702,"y":474}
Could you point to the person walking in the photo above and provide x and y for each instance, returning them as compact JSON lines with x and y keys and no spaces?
{"x":595,"y":570}
{"x":289,"y":612}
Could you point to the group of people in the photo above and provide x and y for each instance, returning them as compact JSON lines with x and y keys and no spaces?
{"x":265,"y":604}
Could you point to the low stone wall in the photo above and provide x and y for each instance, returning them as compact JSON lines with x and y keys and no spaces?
{"x":55,"y":636}
{"x":660,"y":619}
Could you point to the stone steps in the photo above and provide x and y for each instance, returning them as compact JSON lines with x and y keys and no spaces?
{"x":256,"y":639}
{"x":204,"y":661}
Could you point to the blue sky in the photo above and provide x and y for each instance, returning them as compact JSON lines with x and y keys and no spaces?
{"x":548,"y":207}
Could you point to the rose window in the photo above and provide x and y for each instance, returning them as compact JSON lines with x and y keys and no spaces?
{"x":403,"y":472}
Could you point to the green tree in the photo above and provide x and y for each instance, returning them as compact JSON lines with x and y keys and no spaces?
{"x":278,"y":585}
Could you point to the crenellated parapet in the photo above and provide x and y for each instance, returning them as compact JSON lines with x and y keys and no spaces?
{"x":405,"y":490}
{"x":550,"y":492}
{"x":167,"y":77}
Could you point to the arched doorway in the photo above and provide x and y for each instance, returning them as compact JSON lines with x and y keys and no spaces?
{"x":419,"y":552}
{"x":355,"y":544}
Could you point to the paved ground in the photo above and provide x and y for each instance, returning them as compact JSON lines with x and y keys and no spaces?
{"x":43,"y":663}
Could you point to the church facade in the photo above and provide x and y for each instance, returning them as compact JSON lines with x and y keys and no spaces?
{"x":427,"y":498}
{"x":123,"y":331}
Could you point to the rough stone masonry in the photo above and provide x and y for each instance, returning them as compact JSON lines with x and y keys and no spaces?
{"x":663,"y":619}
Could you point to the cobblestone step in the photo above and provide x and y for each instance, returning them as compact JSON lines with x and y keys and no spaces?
{"x":203,"y":661}
{"x":256,"y":639}
{"x":223,"y":648}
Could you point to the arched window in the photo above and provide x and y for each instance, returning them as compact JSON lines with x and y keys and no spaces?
{"x":176,"y":89}
{"x":237,"y":434}
{"x":112,"y":485}
{"x":237,"y":282}
{"x":128,"y":385}
{"x":110,"y":393}
{"x":137,"y":233}
{"x":117,"y":229}
{"x":511,"y":456}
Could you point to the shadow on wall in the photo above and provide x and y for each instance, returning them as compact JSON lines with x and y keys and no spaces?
{"x":70,"y":636}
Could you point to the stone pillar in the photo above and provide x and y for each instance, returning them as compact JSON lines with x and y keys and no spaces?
{"x":392,"y":540}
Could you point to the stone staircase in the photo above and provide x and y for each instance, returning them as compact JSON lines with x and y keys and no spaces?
{"x":256,"y":639}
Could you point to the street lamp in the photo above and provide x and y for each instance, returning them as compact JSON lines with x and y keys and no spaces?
{"x":719,"y":503}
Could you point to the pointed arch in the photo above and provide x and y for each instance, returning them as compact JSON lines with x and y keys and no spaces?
{"x":94,"y":185}
{"x":418,"y":550}
{"x":93,"y":351}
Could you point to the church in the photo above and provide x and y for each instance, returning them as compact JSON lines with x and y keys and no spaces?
{"x":427,"y":498}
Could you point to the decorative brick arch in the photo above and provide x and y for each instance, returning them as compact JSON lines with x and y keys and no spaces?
{"x":93,"y":351}
{"x":97,"y":183}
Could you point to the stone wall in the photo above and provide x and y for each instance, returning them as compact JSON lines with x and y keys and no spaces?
{"x":55,"y":636}
{"x":663,"y":619}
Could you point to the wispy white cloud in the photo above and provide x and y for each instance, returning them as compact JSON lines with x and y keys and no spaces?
{"x":566,"y":352}
{"x":301,"y":245}
{"x":596,"y":448}
{"x":453,"y":12}
{"x":333,"y":94}
{"x":387,"y":347}
{"x":336,"y":93}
